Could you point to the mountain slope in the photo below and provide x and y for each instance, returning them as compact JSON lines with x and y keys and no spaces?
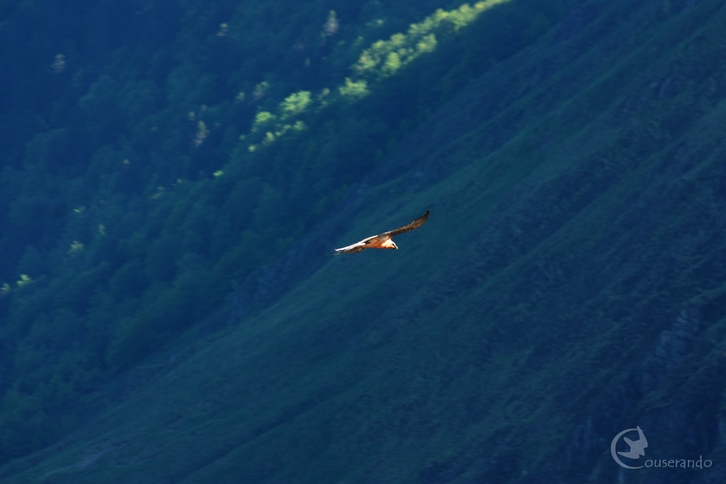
{"x":568,"y":285}
{"x":175,"y":156}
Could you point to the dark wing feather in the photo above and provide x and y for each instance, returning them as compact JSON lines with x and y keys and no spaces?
{"x":413,"y":225}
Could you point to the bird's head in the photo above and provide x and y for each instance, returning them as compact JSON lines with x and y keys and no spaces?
{"x":394,"y":245}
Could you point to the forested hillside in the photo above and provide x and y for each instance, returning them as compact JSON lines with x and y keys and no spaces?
{"x":153,"y":152}
{"x":175,"y":174}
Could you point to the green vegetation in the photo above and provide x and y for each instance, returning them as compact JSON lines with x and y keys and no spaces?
{"x":164,"y":160}
{"x":569,"y":283}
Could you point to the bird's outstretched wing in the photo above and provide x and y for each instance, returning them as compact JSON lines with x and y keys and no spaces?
{"x":382,"y":241}
{"x":413,"y":225}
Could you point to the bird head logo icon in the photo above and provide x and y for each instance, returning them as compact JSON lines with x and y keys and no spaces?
{"x":635,"y":451}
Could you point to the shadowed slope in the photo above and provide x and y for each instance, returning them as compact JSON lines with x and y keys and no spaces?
{"x":570,"y":285}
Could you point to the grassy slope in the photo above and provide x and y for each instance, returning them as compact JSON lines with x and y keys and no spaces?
{"x":576,"y":196}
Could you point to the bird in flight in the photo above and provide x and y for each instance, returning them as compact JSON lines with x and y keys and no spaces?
{"x":382,"y":241}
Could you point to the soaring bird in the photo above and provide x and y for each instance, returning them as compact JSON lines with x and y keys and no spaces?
{"x":382,"y":241}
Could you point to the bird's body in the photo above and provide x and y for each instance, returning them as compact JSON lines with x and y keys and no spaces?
{"x":384,"y":240}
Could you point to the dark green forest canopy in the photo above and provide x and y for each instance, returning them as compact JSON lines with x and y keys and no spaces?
{"x":155,"y":151}
{"x":569,"y":284}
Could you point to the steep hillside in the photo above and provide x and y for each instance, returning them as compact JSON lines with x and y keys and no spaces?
{"x":569,"y":284}
{"x":169,"y":150}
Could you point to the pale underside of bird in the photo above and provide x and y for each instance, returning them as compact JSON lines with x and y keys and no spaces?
{"x":384,"y":240}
